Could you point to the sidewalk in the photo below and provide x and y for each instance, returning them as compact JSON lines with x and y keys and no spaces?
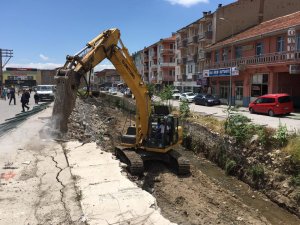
{"x":9,"y":111}
{"x":294,"y":115}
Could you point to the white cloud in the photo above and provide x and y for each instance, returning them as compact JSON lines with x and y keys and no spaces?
{"x":186,"y":3}
{"x":43,"y":57}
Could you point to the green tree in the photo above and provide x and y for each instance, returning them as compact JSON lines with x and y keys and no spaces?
{"x":184,"y":110}
{"x":151,"y":89}
{"x":166,"y":93}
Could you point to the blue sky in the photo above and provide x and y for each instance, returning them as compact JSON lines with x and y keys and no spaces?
{"x":42,"y":32}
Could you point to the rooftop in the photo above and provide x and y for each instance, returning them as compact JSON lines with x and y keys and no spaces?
{"x":265,"y":28}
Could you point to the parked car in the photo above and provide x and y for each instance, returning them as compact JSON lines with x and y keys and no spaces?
{"x":187,"y":96}
{"x":46,"y":92}
{"x":207,"y":100}
{"x":127,"y":93}
{"x":112,"y":91}
{"x":176,"y":94}
{"x":272,"y":104}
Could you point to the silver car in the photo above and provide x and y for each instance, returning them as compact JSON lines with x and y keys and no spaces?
{"x":187,"y":96}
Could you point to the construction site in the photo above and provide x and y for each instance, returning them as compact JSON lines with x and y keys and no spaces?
{"x":141,"y":151}
{"x":96,"y":158}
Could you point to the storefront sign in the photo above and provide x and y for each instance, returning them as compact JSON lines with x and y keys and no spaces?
{"x":223,"y":72}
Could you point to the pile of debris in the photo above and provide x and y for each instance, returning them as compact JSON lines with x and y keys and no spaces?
{"x":91,"y":121}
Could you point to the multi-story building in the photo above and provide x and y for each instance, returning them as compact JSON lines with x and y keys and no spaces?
{"x":156,"y":63}
{"x":215,"y":27}
{"x":107,"y":78}
{"x":263,"y":59}
{"x":190,"y":53}
{"x":138,"y":58}
{"x":27,"y":76}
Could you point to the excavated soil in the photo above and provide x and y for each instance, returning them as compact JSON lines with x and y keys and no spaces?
{"x":194,"y":199}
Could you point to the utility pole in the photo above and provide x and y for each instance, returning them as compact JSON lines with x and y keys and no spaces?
{"x":5,"y":56}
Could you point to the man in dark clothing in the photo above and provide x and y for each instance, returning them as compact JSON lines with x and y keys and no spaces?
{"x":24,"y":101}
{"x":12,"y":95}
{"x":36,"y":98}
{"x":27,"y":94}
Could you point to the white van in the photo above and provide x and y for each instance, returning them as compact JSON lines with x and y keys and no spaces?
{"x":46,"y":92}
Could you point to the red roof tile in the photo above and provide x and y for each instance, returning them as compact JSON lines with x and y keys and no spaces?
{"x":277,"y":24}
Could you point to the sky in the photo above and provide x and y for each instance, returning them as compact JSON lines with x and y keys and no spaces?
{"x":42,"y":32}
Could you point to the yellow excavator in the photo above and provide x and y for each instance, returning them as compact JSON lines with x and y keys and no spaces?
{"x":156,"y":132}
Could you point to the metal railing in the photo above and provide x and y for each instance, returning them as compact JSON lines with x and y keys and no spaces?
{"x":278,"y":57}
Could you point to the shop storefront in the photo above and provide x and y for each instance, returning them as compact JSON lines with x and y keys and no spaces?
{"x":20,"y":77}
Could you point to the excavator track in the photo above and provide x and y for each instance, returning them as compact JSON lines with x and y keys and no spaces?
{"x":133,"y":160}
{"x":179,"y":163}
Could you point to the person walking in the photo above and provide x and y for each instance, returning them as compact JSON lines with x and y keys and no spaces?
{"x":4,"y":93}
{"x":36,"y":98}
{"x":27,"y":94}
{"x":24,"y":101}
{"x":12,"y":95}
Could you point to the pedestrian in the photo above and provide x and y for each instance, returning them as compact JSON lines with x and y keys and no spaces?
{"x":4,"y":93}
{"x":24,"y":101}
{"x":36,"y":98}
{"x":8,"y":93}
{"x":27,"y":94}
{"x":12,"y":95}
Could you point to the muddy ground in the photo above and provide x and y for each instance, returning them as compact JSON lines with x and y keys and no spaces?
{"x":194,"y":199}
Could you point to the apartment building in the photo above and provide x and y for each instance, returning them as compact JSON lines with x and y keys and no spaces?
{"x":190,"y":54}
{"x":263,"y":59}
{"x":226,"y":21}
{"x":107,"y":78}
{"x":156,"y":63}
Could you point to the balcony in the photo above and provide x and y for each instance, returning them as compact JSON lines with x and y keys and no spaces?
{"x":146,"y":59}
{"x":278,"y":57}
{"x":183,"y":43}
{"x":192,"y":57}
{"x":168,"y":78}
{"x":167,"y":51}
{"x":167,"y":64}
{"x":153,"y":67}
{"x":208,"y":34}
{"x":193,"y":40}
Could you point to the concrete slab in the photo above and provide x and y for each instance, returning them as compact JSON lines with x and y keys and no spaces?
{"x":107,"y":195}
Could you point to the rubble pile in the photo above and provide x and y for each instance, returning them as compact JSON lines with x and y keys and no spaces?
{"x":90,"y":121}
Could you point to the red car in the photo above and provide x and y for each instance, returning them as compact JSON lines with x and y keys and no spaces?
{"x":272,"y":104}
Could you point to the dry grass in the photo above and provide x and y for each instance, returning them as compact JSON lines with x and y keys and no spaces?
{"x":293,"y":148}
{"x":208,"y":121}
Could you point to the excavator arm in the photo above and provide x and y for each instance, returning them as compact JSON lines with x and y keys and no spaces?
{"x":104,"y":46}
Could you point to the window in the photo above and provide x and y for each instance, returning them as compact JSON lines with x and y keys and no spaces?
{"x":225,"y":54}
{"x":284,"y":99}
{"x":171,"y":46}
{"x":190,"y":68}
{"x":224,"y":90}
{"x":259,"y":85}
{"x":259,"y":49}
{"x":238,"y":52}
{"x":280,"y":44}
{"x":216,"y":56}
{"x":298,"y":42}
{"x":239,"y":90}
{"x":267,"y":100}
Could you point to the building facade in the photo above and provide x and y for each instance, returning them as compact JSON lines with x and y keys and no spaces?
{"x":156,"y":63}
{"x":107,"y":78}
{"x":261,"y":60}
{"x":27,"y":77}
{"x":193,"y":40}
